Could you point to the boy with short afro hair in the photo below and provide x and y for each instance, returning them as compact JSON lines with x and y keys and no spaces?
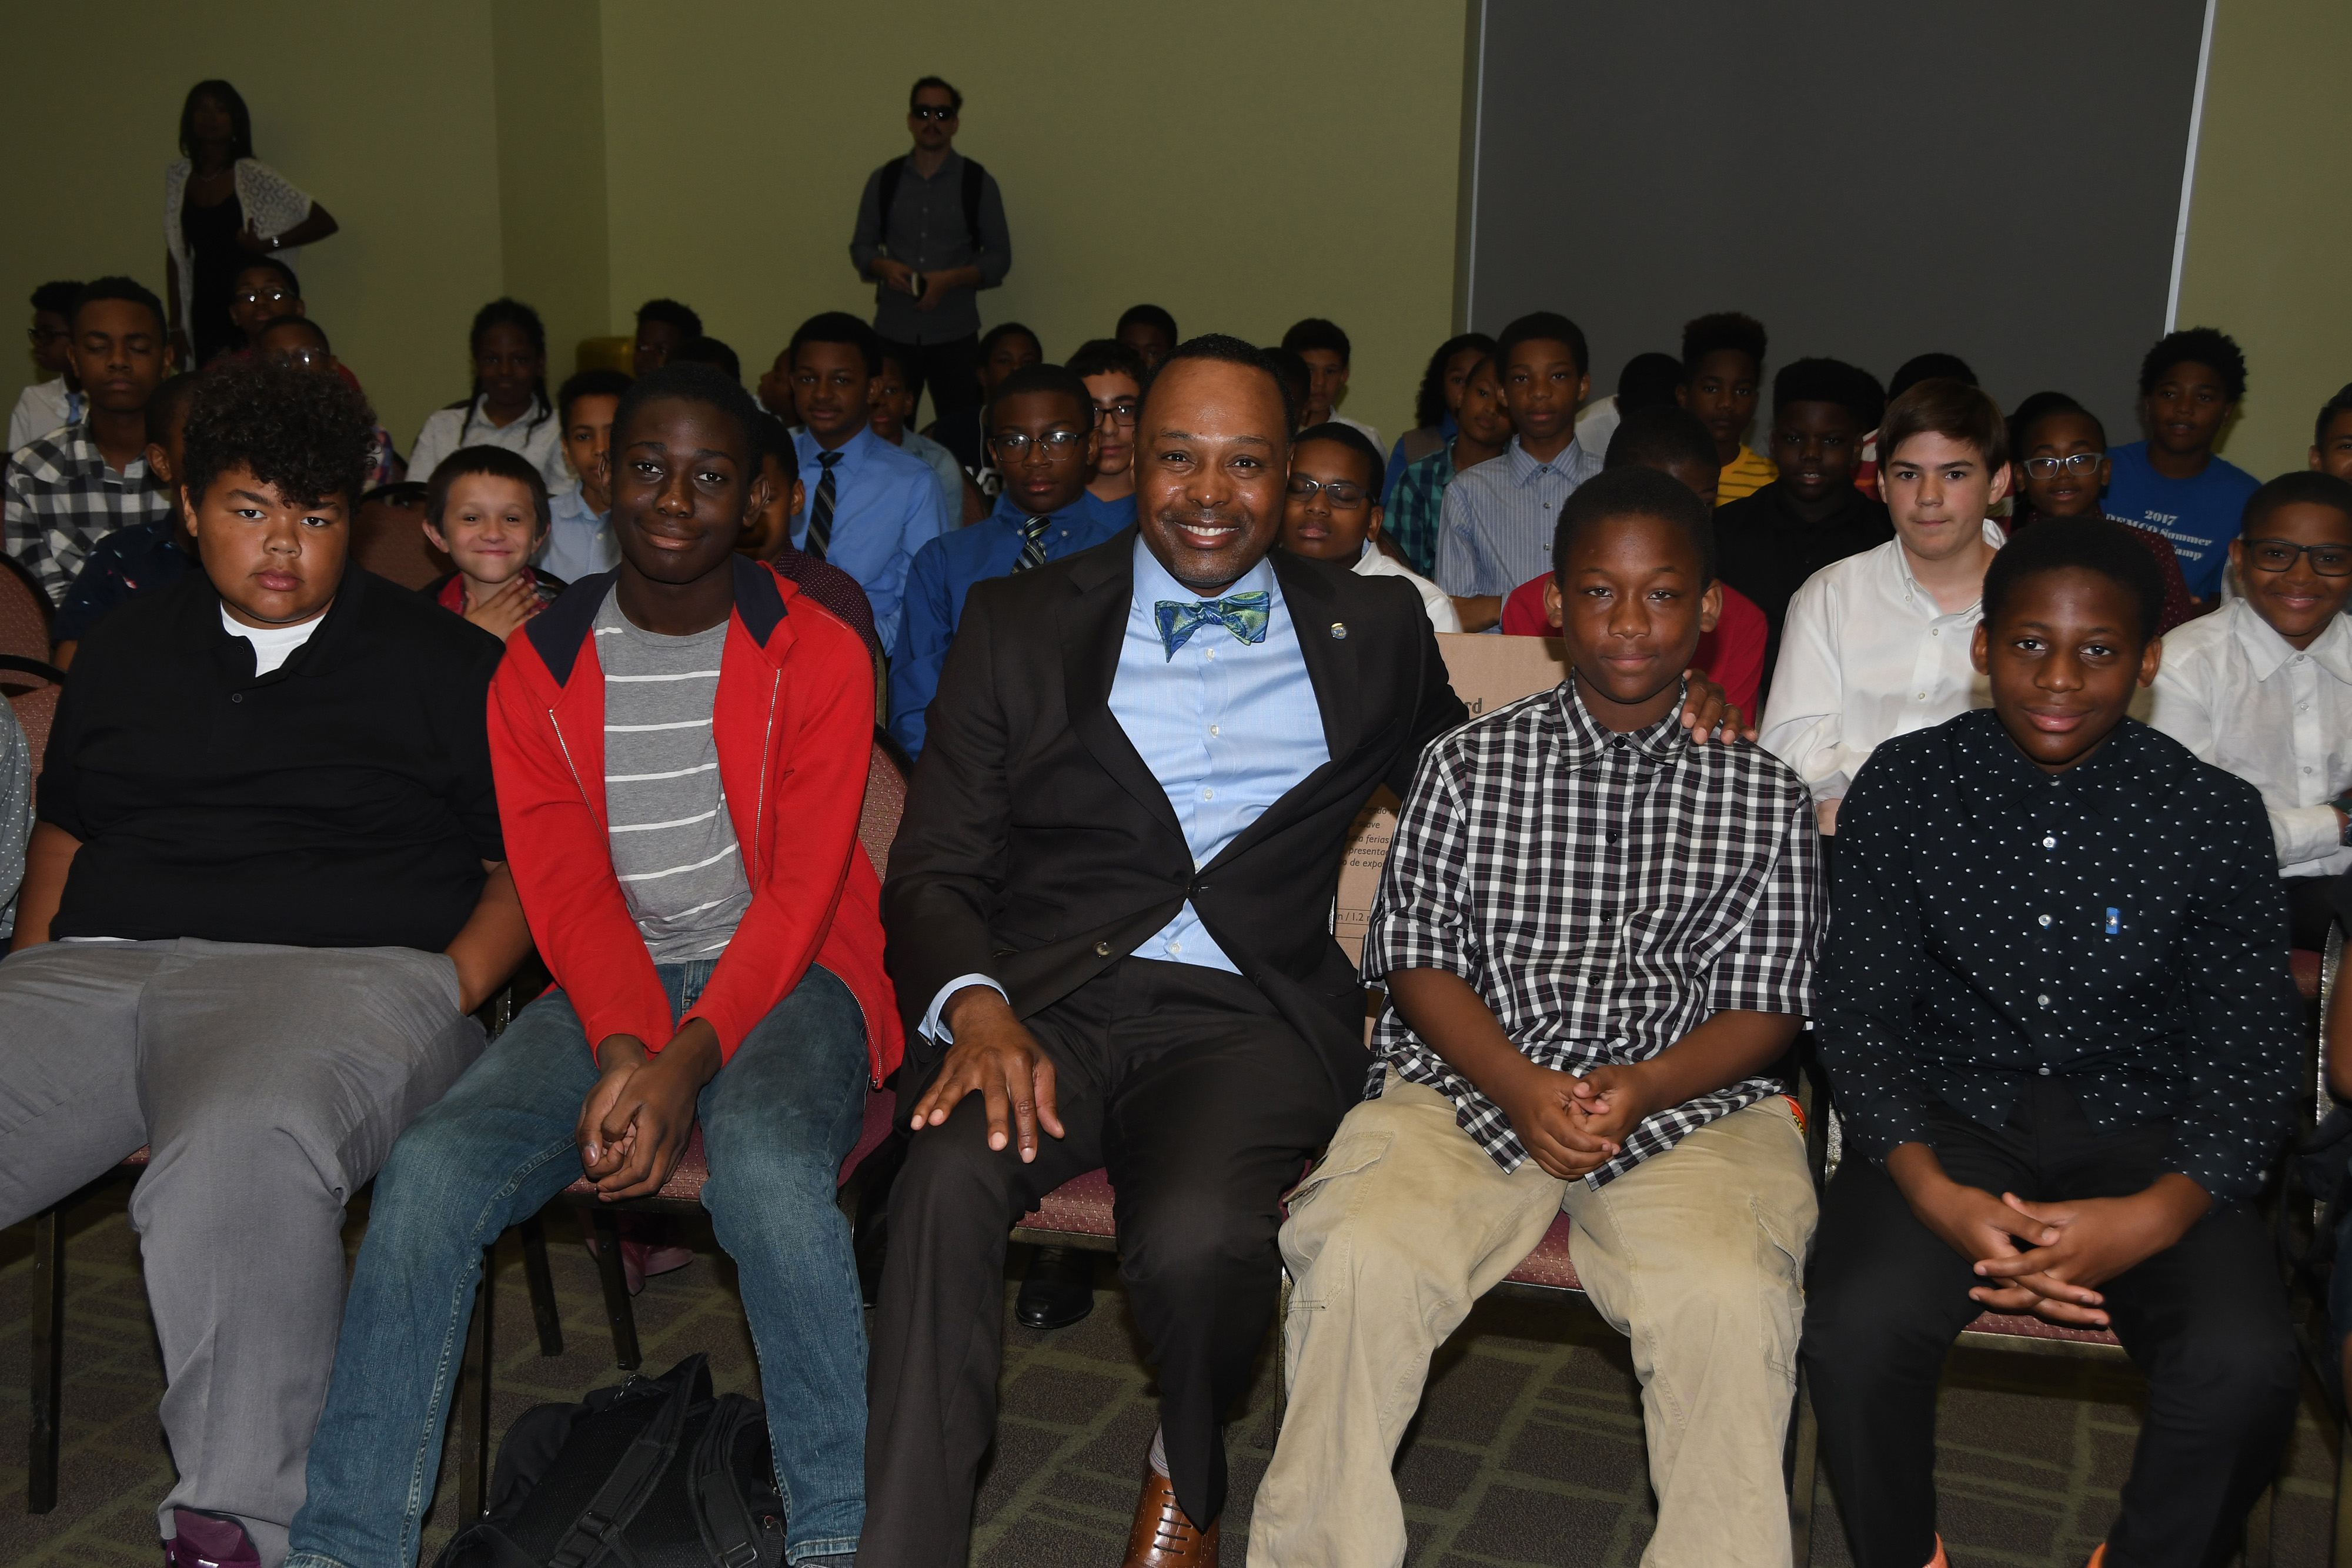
{"x":1812,"y":514}
{"x":1497,"y":521}
{"x":2190,"y":386}
{"x":264,"y":895}
{"x":1542,"y":1053}
{"x":1723,"y":373}
{"x":662,"y":326}
{"x":1327,"y":351}
{"x":2331,"y":436}
{"x":2065,"y":1049}
{"x":579,"y":541}
{"x":57,"y":403}
{"x":2263,"y":686}
{"x":1876,"y":644}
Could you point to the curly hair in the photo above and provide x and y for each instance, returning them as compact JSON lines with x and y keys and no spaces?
{"x":1725,"y":331}
{"x":306,"y":433}
{"x":2207,"y":346}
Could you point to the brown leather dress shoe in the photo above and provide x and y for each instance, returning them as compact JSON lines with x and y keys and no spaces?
{"x":1163,"y":1537}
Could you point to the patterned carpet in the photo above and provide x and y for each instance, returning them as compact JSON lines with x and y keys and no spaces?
{"x":1529,"y":1450}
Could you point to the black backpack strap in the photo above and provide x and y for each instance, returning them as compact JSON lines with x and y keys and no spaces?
{"x":729,"y":1532}
{"x":973,"y":176}
{"x":598,"y":1529}
{"x":888,"y":175}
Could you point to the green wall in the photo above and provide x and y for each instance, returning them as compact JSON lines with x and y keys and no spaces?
{"x":1242,"y":164}
{"x":387,"y":119}
{"x":2269,"y":235}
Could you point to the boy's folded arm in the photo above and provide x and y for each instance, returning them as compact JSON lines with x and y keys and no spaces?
{"x":2243,"y":1024}
{"x":1729,"y":1047}
{"x":2305,"y":835}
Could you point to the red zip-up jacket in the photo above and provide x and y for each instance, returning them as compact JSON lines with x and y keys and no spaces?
{"x":794,"y":719}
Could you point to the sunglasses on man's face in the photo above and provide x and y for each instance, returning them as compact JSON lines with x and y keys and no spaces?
{"x":933,"y":111}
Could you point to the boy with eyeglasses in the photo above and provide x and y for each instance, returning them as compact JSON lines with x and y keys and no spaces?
{"x":55,"y":404}
{"x":2060,"y":452}
{"x":1114,"y":374}
{"x":1333,"y":512}
{"x":1041,"y":432}
{"x":2263,"y":686}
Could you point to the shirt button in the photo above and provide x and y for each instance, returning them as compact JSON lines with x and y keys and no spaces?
{"x":1213,"y":652}
{"x":1179,"y":947}
{"x":2044,"y":1000}
{"x":1923,"y":697}
{"x":239,"y":697}
{"x":1102,"y":949}
{"x":1934,"y":630}
{"x":2045,"y":920}
{"x":2050,"y":843}
{"x":1208,"y":794}
{"x":1214,"y":730}
{"x":2044,"y":1071}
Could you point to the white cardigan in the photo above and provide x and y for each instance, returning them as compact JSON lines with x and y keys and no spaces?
{"x":272,"y":203}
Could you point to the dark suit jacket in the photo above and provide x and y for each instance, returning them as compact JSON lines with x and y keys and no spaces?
{"x":1038,"y":850}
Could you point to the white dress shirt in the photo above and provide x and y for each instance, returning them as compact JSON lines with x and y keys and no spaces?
{"x":43,"y":407}
{"x":537,"y":437}
{"x":1867,"y":654}
{"x":2241,"y":697}
{"x":1376,"y":562}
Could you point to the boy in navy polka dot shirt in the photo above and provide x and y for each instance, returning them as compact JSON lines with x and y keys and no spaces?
{"x":2057,"y":1019}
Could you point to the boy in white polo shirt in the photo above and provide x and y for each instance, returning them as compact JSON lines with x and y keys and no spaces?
{"x":1876,"y":645}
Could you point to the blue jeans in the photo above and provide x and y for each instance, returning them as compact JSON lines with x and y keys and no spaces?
{"x":777,"y":1121}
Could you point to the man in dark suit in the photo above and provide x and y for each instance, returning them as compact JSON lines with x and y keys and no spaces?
{"x":1109,"y":918}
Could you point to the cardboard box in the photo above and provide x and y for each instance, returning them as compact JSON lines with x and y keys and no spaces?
{"x":1487,"y":673}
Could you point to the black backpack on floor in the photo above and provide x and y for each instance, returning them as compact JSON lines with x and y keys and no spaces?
{"x":654,"y":1474}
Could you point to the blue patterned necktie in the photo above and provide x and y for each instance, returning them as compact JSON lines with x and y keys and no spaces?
{"x":1242,"y":614}
{"x":1033,"y":543}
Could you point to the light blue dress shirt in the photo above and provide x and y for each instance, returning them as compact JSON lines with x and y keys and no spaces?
{"x":1495,"y":526}
{"x":1227,"y":727}
{"x":579,"y":541}
{"x":885,"y":507}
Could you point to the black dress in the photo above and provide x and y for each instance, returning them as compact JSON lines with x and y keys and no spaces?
{"x":209,"y":235}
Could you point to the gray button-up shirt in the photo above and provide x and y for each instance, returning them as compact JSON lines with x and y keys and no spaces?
{"x":926,"y":230}
{"x":1495,"y":525}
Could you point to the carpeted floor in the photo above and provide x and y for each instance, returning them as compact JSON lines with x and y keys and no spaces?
{"x":1528,"y":1451}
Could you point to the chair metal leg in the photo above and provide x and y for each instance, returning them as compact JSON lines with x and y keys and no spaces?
{"x":617,"y":1309}
{"x":540,"y":1282}
{"x":1804,"y":1477}
{"x":49,"y":1346}
{"x":2339,"y":1549}
{"x":2258,"y":1528}
{"x":473,"y":1423}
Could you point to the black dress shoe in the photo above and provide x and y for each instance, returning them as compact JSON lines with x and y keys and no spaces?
{"x":1058,"y":1290}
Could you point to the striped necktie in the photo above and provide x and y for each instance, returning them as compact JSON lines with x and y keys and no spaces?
{"x":820,"y":525}
{"x":1033,"y":543}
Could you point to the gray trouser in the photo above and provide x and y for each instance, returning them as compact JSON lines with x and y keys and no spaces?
{"x":270,"y":1083}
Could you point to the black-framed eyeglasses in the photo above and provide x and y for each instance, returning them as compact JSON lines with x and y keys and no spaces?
{"x":1123,"y":412}
{"x":2278,"y":555}
{"x":40,"y":335}
{"x":933,"y":111}
{"x":263,"y":297}
{"x":2082,"y":462}
{"x":1343,"y":494}
{"x":1013,"y":448}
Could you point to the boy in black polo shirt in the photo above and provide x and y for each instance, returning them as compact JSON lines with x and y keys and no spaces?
{"x":265,"y":889}
{"x":2055,"y":1013}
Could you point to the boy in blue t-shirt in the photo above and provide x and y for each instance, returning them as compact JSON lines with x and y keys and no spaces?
{"x":2190,"y":386}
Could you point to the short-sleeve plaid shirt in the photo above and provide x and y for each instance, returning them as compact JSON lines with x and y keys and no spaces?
{"x":62,"y":498}
{"x":1604,"y":893}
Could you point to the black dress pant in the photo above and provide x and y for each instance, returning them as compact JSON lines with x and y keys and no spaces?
{"x":2313,"y":905}
{"x":2206,"y":1321}
{"x":1203,"y":1106}
{"x":948,"y":370}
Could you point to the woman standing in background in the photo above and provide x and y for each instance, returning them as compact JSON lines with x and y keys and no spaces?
{"x":222,"y":205}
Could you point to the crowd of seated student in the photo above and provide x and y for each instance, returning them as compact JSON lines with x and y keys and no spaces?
{"x":1941,"y":614}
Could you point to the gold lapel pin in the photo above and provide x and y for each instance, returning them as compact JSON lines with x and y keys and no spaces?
{"x":1338,"y":631}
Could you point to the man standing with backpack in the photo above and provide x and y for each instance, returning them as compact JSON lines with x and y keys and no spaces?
{"x":931,"y":233}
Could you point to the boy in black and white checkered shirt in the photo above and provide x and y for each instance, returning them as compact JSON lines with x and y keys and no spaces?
{"x":1597,"y":937}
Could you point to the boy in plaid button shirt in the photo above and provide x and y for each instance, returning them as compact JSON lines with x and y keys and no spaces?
{"x":1598,"y":938}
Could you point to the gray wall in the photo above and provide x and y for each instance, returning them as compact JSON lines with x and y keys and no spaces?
{"x":1996,"y":179}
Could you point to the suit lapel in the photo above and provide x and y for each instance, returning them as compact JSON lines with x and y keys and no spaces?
{"x":1092,"y":624}
{"x":1334,"y":670}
